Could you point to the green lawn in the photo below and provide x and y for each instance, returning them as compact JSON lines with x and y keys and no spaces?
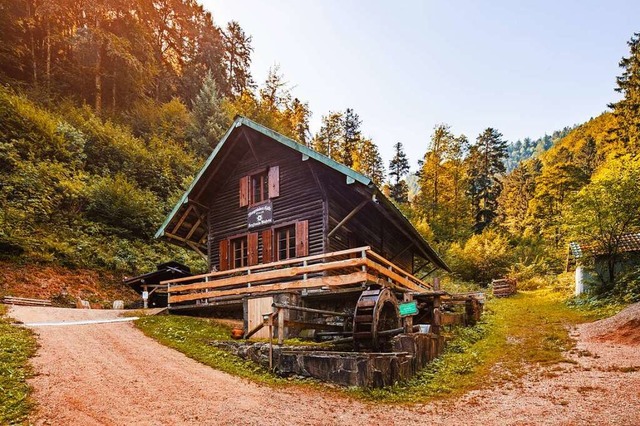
{"x":530,"y":328}
{"x":192,"y":336}
{"x":17,"y":345}
{"x":525,"y":329}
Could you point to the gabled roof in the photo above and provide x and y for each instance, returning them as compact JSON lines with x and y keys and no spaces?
{"x":189,"y":210}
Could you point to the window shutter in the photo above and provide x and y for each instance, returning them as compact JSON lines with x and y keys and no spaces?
{"x":302,"y":238}
{"x":274,"y":181}
{"x":267,"y":246}
{"x":245,"y":182}
{"x":224,"y":255}
{"x":252,"y":249}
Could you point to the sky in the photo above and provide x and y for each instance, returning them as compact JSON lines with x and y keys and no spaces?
{"x":524,"y":68}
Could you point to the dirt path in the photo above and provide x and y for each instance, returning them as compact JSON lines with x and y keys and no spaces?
{"x":112,"y":374}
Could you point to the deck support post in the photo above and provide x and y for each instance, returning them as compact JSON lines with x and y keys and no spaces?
{"x":280,"y":326}
{"x":271,"y":342}
{"x":408,"y":320}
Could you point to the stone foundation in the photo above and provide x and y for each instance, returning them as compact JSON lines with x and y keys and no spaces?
{"x":411,"y":352}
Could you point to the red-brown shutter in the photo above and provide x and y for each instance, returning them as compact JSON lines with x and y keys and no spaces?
{"x":224,"y":255}
{"x":302,"y":238}
{"x":252,"y":249}
{"x":244,"y":190}
{"x":274,"y":181}
{"x":267,"y":246}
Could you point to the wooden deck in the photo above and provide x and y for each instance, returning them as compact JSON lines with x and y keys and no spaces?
{"x":330,"y":271}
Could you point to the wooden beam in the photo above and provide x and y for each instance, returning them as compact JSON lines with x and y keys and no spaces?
{"x":198,"y":205}
{"x":280,"y":326}
{"x":250,"y":143}
{"x":206,"y":183}
{"x":271,"y":265}
{"x":332,"y":281}
{"x":284,"y":273}
{"x":400,"y":253}
{"x":311,"y":310}
{"x":193,"y":228}
{"x":384,"y":261}
{"x":182,"y":219}
{"x":197,"y":250}
{"x":402,"y":281}
{"x":348,"y":217}
{"x":184,"y":240}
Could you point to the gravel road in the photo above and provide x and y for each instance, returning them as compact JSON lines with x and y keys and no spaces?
{"x":111,"y":374}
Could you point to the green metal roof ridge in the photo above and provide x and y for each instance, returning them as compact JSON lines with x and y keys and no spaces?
{"x":311,"y":153}
{"x":185,"y":197}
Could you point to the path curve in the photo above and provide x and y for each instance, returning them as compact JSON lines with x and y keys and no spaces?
{"x":111,"y":374}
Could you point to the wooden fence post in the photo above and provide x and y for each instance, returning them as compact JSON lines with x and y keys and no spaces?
{"x":280,"y":326}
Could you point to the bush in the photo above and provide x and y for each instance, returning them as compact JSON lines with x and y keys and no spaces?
{"x":482,"y":258}
{"x":119,"y":203}
{"x":627,"y":286}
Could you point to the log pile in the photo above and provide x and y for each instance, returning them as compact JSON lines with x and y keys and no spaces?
{"x":504,"y":287}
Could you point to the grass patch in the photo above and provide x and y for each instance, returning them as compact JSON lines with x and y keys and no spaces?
{"x":527,"y":329}
{"x":17,"y":345}
{"x":192,"y":336}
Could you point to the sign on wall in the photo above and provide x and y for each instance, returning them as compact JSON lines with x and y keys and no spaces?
{"x":259,"y":215}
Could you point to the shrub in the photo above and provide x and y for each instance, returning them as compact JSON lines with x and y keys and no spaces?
{"x":483,"y":257}
{"x":119,"y":203}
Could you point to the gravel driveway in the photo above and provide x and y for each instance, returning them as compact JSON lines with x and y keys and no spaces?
{"x":111,"y":374}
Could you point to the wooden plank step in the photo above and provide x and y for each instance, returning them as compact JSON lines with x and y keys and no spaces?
{"x":24,"y":301}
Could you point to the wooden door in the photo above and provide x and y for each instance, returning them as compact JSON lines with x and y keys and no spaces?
{"x":255,"y":309}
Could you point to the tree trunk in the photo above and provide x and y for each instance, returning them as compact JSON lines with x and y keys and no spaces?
{"x":98,"y":80}
{"x":612,"y":269}
{"x":113,"y":94}
{"x":34,"y":65}
{"x":48,"y":69}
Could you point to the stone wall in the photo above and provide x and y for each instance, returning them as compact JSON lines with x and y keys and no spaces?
{"x":411,"y":352}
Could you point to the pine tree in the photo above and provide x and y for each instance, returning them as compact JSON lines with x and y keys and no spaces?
{"x":351,"y":137}
{"x":209,"y":120}
{"x":398,"y":168}
{"x":367,"y":160}
{"x":518,"y":190}
{"x":442,"y":200}
{"x":328,"y":140}
{"x":431,"y":170}
{"x":237,"y":58}
{"x":486,"y":166}
{"x":627,"y":110}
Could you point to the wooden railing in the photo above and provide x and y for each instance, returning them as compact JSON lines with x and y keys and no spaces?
{"x":331,"y":270}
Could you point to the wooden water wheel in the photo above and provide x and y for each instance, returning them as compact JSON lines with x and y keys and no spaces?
{"x":376,"y":311}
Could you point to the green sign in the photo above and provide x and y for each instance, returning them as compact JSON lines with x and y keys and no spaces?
{"x":408,"y":309}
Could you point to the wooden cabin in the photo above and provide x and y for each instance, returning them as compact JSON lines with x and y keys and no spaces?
{"x":281,"y":223}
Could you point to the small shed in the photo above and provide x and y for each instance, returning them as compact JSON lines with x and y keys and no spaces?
{"x":150,"y":282}
{"x":590,"y":262}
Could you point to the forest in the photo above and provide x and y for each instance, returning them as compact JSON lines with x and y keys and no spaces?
{"x":108,"y":109}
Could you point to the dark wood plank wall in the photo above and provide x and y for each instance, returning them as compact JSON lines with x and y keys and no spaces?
{"x":300,"y":197}
{"x":367,"y":227}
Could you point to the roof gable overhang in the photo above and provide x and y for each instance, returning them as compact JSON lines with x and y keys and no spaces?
{"x":186,"y":223}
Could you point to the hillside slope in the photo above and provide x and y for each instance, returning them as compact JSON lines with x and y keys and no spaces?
{"x":80,"y":191}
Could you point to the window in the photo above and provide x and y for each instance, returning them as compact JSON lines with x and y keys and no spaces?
{"x":286,"y":243}
{"x":259,"y":188}
{"x":239,"y":252}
